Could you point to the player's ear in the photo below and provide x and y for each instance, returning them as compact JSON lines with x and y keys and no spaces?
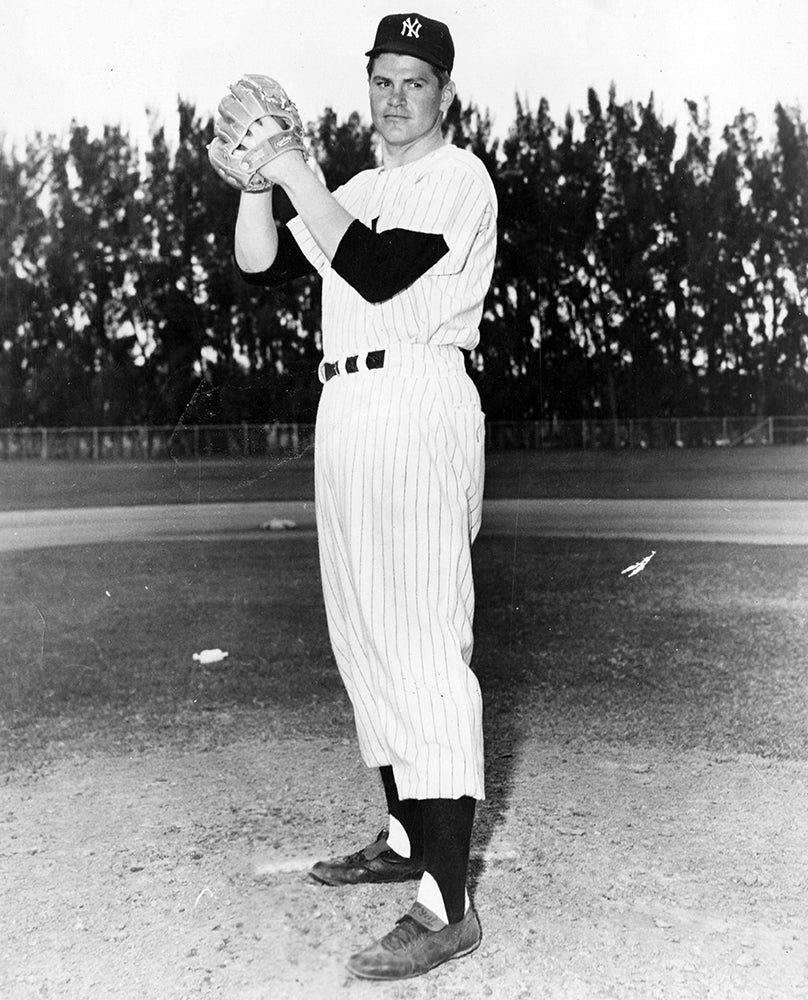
{"x":447,"y":96}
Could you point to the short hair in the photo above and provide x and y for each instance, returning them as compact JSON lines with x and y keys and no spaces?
{"x":443,"y":75}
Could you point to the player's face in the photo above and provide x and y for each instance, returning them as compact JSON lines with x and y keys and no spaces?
{"x":407,"y":101}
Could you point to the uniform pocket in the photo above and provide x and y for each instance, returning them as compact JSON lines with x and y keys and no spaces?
{"x":468,"y":456}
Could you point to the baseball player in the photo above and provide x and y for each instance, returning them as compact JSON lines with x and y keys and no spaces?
{"x":406,"y":254}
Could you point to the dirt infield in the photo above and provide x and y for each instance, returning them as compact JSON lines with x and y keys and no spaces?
{"x":751,"y":522}
{"x":612,"y":874}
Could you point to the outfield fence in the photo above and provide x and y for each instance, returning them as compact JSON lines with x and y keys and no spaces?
{"x":291,"y":439}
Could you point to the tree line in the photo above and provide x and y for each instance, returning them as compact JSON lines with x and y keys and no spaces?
{"x":640,"y":273}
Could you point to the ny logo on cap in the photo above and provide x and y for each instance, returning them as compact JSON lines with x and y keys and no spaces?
{"x":410,"y":28}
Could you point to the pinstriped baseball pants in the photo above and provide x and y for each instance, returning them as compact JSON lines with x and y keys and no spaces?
{"x":399,"y":464}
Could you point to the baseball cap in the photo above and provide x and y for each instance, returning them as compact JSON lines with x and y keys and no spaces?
{"x":415,"y":35}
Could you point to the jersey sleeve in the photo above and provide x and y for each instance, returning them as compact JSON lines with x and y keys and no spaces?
{"x":454,"y":200}
{"x":429,"y":228}
{"x":377,"y":265}
{"x":380,"y":265}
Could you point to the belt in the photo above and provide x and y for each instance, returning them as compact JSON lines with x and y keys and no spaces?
{"x":374,"y":359}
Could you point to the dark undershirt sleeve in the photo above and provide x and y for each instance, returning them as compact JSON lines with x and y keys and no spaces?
{"x":380,"y":265}
{"x":289,"y":263}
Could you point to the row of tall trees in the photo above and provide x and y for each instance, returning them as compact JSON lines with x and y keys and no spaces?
{"x":641,"y":272}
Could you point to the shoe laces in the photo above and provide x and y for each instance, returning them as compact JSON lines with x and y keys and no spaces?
{"x":351,"y":859}
{"x":367,"y":853}
{"x":403,"y":934}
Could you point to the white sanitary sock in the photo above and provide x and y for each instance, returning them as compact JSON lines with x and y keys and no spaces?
{"x":397,"y":839}
{"x":430,"y":896}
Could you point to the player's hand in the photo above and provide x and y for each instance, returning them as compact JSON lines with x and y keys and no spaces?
{"x":282,"y":166}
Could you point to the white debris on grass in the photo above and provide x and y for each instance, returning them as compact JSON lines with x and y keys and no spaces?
{"x":638,"y":567}
{"x":210,"y":656}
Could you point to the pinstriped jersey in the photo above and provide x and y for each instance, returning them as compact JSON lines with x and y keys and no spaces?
{"x":446,"y":192}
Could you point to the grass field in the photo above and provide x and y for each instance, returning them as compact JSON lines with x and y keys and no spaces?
{"x":706,"y":648}
{"x":777,"y":473}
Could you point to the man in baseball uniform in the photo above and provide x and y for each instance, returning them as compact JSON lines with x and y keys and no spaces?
{"x":406,"y":253}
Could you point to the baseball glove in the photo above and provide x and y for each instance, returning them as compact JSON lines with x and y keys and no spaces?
{"x":250,"y":100}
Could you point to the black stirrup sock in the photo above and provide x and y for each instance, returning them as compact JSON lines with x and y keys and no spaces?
{"x":406,"y":811}
{"x":447,"y":827}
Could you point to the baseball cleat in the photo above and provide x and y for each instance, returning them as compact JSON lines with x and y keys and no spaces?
{"x":374,"y":863}
{"x":420,"y":941}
